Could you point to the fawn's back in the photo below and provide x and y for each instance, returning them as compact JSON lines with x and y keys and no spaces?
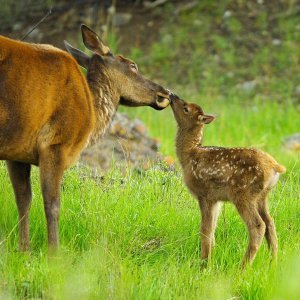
{"x":224,"y":170}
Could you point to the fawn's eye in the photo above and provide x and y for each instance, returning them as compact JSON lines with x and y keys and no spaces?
{"x":186,"y":109}
{"x":133,"y":67}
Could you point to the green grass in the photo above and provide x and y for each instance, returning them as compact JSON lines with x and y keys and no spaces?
{"x":135,"y":236}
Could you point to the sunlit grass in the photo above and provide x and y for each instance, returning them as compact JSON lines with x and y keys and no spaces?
{"x":136,"y":236}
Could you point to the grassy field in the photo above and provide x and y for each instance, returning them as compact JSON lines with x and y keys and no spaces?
{"x":136,"y":235}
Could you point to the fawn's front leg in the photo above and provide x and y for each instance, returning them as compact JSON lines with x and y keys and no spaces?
{"x":207,"y":228}
{"x":216,"y":213}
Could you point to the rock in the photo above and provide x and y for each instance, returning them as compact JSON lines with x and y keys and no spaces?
{"x":120,"y":19}
{"x":292,"y":142}
{"x":36,"y":35}
{"x":186,"y":7}
{"x":247,"y":86}
{"x":126,"y":144}
{"x":227,"y":14}
{"x":150,"y":5}
{"x":111,"y":10}
{"x":297,"y":90}
{"x":17,"y":26}
{"x":276,"y":42}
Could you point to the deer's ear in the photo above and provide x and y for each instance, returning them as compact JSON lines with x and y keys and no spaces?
{"x":206,"y":119}
{"x":93,"y":42}
{"x":80,"y":56}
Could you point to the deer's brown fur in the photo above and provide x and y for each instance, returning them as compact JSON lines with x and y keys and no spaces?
{"x":243,"y":176}
{"x":49,"y":111}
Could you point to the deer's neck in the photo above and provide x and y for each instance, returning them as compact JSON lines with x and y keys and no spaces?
{"x":106,"y":101}
{"x":186,"y":142}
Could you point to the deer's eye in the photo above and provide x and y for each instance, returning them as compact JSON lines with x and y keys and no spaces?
{"x":186,"y":109}
{"x":133,"y":67}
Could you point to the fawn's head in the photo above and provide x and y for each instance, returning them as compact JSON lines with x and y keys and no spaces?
{"x":131,"y":87}
{"x":188,"y":115}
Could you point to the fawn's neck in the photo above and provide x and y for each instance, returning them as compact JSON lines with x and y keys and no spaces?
{"x":186,"y":142}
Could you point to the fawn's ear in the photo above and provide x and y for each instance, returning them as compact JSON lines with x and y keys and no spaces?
{"x":206,"y":119}
{"x":93,"y":42}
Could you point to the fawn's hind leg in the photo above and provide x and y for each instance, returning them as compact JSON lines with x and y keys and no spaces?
{"x":256,"y":228}
{"x":19,"y":174}
{"x":270,"y":234}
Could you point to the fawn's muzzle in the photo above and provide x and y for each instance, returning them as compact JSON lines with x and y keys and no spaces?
{"x":173,"y":97}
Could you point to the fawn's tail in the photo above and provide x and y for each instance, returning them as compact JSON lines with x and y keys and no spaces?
{"x":279,"y":168}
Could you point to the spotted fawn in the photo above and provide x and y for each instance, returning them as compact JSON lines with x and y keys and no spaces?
{"x":243,"y":176}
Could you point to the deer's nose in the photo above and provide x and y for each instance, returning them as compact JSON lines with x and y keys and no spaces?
{"x":163,"y":95}
{"x":163,"y":99}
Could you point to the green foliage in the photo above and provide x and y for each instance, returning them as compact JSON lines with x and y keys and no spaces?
{"x":113,"y":41}
{"x":12,"y":12}
{"x":216,"y":47}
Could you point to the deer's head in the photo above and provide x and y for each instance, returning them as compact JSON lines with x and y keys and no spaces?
{"x":131,"y":87}
{"x":188,"y":115}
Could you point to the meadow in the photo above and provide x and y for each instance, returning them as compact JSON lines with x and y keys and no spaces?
{"x":136,"y":235}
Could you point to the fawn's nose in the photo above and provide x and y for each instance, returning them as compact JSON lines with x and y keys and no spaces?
{"x":173,"y":97}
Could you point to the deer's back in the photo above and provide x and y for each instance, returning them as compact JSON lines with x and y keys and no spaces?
{"x":44,"y":100}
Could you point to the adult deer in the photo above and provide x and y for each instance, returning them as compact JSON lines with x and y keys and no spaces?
{"x":49,"y":111}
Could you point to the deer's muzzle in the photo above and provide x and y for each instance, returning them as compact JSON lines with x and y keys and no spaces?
{"x":162,"y":100}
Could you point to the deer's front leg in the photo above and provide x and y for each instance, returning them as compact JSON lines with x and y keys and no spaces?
{"x":52,"y":167}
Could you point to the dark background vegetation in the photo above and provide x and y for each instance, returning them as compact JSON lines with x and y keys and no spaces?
{"x":213,"y":47}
